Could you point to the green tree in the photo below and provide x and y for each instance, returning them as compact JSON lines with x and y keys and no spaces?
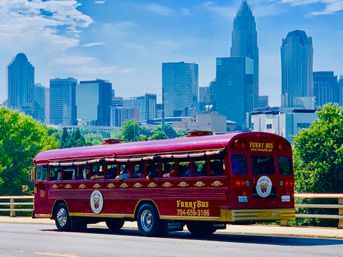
{"x":318,"y":160}
{"x":21,"y":138}
{"x":158,"y":133}
{"x":132,"y":131}
{"x":318,"y":153}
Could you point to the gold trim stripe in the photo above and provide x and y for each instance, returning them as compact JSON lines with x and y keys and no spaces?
{"x":100,"y":215}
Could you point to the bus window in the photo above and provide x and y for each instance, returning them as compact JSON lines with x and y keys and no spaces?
{"x":200,"y":168}
{"x":217,"y":167}
{"x":55,"y":173}
{"x":183,"y":169}
{"x":69,"y":173}
{"x":82,"y":172}
{"x":124,"y":171}
{"x":41,"y":172}
{"x":262,"y":165}
{"x":152,"y":170}
{"x":285,"y":165}
{"x":168,"y":169}
{"x":111,"y":171}
{"x":138,"y":170}
{"x":239,"y":164}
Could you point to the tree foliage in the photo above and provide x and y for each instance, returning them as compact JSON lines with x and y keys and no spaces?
{"x":158,"y":133}
{"x":132,"y":131}
{"x":318,"y":153}
{"x":73,"y":139}
{"x":21,"y":138}
{"x":318,"y":161}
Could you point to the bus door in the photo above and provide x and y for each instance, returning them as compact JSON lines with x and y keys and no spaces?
{"x":41,"y":190}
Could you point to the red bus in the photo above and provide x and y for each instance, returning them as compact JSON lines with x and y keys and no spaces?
{"x":204,"y":182}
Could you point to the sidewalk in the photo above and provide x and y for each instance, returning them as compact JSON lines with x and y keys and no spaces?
{"x":312,"y":232}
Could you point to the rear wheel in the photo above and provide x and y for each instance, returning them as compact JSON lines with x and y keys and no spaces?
{"x":201,"y":229}
{"x":148,"y":221}
{"x":115,"y":224}
{"x":62,"y":218}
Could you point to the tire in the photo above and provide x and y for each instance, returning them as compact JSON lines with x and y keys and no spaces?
{"x":201,"y":229}
{"x":62,"y":218}
{"x":148,"y":221}
{"x":115,"y":224}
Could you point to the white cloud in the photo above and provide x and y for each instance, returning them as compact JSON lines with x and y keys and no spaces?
{"x":93,"y":44}
{"x":330,"y":6}
{"x":159,"y":9}
{"x":54,"y":22}
{"x":99,"y":1}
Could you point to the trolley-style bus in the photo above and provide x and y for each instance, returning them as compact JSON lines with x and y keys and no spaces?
{"x":204,"y":182}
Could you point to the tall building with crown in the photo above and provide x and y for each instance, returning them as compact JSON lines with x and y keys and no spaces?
{"x":296,"y":68}
{"x":244,"y":44}
{"x":21,"y":84}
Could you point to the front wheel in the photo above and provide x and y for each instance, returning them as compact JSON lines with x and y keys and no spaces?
{"x":62,"y":218}
{"x":148,"y":221}
{"x":201,"y":229}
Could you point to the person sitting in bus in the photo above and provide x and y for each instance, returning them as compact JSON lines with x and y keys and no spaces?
{"x":138,"y":170}
{"x":111,"y":173}
{"x":152,"y":171}
{"x":124,"y":173}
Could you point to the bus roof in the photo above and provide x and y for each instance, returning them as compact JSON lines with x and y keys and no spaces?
{"x":146,"y":147}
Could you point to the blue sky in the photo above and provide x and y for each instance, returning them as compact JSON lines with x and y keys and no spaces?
{"x":125,"y":41}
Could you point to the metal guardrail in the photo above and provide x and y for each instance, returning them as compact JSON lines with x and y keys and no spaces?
{"x":338,"y":206}
{"x":11,"y":205}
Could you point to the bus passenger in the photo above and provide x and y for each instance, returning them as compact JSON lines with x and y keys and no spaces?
{"x":152,"y":171}
{"x":124,"y":174}
{"x":111,"y":173}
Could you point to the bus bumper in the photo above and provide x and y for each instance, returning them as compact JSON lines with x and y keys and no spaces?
{"x":256,"y":215}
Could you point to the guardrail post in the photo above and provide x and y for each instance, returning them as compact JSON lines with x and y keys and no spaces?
{"x":340,"y":212}
{"x":12,"y":208}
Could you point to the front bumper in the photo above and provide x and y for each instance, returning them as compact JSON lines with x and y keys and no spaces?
{"x":256,"y":215}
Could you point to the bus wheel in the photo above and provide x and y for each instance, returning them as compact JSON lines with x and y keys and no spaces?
{"x":201,"y":229}
{"x":148,"y":221}
{"x":115,"y":224}
{"x":62,"y":218}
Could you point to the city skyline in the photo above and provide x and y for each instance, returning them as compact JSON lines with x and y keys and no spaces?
{"x":88,"y":41}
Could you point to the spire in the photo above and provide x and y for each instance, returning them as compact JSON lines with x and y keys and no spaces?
{"x":244,"y":9}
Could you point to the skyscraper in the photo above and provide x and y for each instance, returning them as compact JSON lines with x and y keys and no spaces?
{"x":326,"y":89}
{"x":232,"y":91}
{"x":340,"y":88}
{"x":146,"y":106}
{"x":39,"y":103}
{"x":244,"y":44}
{"x":63,"y":101}
{"x":180,"y":88}
{"x":297,"y":68}
{"x":93,"y":100}
{"x":21,"y":83}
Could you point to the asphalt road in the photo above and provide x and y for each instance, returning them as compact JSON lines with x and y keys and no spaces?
{"x":26,"y":240}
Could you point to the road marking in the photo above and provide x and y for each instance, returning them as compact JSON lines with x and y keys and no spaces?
{"x":57,"y":254}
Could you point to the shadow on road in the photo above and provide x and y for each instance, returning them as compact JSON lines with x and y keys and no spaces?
{"x":222,"y":237}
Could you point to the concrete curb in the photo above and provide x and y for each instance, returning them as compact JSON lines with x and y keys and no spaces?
{"x":257,"y":230}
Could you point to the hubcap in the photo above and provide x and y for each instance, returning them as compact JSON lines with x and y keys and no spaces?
{"x":147,"y":221}
{"x":62,"y":217}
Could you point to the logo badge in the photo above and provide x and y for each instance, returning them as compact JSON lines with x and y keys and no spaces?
{"x":264,"y":186}
{"x":96,"y":201}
